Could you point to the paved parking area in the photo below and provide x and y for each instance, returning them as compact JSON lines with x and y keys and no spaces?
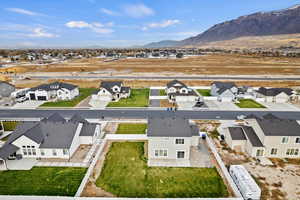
{"x":280,"y":106}
{"x":154,"y":103}
{"x":154,"y":92}
{"x":29,"y":104}
{"x":216,"y":105}
{"x":186,"y":105}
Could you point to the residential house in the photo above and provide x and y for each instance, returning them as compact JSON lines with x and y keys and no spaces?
{"x":171,"y":139}
{"x":6,"y":89}
{"x":268,"y":136}
{"x":52,"y":137}
{"x":179,"y":92}
{"x":275,"y":95}
{"x":112,"y":91}
{"x":224,"y":91}
{"x":56,"y":90}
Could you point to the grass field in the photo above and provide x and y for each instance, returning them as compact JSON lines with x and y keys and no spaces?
{"x":83,"y":93}
{"x":249,"y":103}
{"x":204,"y":92}
{"x":138,"y":98}
{"x":10,"y":125}
{"x":126,"y":174}
{"x":162,"y":93}
{"x":50,"y":181}
{"x":129,"y":128}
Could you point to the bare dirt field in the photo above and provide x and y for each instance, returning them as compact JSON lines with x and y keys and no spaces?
{"x":210,"y":64}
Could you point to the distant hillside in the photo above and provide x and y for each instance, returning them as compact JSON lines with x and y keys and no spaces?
{"x":161,"y":44}
{"x":280,"y":22}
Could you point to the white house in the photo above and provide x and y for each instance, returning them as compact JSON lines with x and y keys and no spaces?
{"x":171,"y":139}
{"x":111,"y":91}
{"x":52,"y":137}
{"x":268,"y":136}
{"x":56,"y":90}
{"x":179,"y":92}
{"x":275,"y":95}
{"x":224,"y":91}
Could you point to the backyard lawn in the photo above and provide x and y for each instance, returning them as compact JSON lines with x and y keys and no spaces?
{"x":83,"y":93}
{"x":162,"y":93}
{"x":138,"y":98}
{"x":128,"y":128}
{"x":50,"y":181}
{"x":125,"y":174}
{"x":249,"y":103}
{"x":204,"y":92}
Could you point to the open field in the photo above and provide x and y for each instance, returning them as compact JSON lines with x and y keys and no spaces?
{"x":138,"y":98}
{"x":249,"y":103}
{"x":126,"y":174}
{"x":50,"y":181}
{"x":83,"y":93}
{"x":130,"y":128}
{"x":210,"y":64}
{"x":204,"y":92}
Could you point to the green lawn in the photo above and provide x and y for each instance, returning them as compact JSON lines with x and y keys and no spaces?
{"x":128,"y":128}
{"x":50,"y":181}
{"x":204,"y":92}
{"x":249,"y":103}
{"x":125,"y":174}
{"x":83,"y":93}
{"x":10,"y":125}
{"x":138,"y":98}
{"x":162,"y":93}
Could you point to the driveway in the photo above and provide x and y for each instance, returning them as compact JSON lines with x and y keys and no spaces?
{"x":186,"y":105}
{"x":216,"y":105}
{"x":154,"y":103}
{"x":29,"y":104}
{"x":154,"y":92}
{"x":280,"y":106}
{"x":99,"y":104}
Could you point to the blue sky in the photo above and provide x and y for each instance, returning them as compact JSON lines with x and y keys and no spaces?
{"x":116,"y":23}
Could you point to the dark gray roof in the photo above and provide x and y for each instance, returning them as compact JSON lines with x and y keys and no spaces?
{"x":125,"y":89}
{"x":6,"y":89}
{"x":270,"y":116}
{"x":252,"y":116}
{"x":88,"y":129}
{"x":252,"y":136}
{"x":7,"y":150}
{"x":54,"y":118}
{"x":54,"y":86}
{"x":237,"y":133}
{"x":223,"y":86}
{"x":279,"y":127}
{"x":110,"y":84}
{"x":195,"y":130}
{"x":274,"y":91}
{"x":169,"y":127}
{"x":78,"y":118}
{"x":191,"y":92}
{"x":176,"y":84}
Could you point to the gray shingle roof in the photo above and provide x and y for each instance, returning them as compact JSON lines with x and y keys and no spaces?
{"x":6,"y":89}
{"x":237,"y":133}
{"x":78,"y":118}
{"x":88,"y":129}
{"x":7,"y":150}
{"x":279,"y":127}
{"x":252,"y":136}
{"x":223,"y":86}
{"x":169,"y":127}
{"x":176,"y":84}
{"x":54,"y":118}
{"x":54,"y":86}
{"x":274,"y":91}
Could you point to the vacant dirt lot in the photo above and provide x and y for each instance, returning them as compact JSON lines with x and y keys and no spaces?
{"x":206,"y":64}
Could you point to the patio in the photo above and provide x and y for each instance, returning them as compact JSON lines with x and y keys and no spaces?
{"x":23,"y":164}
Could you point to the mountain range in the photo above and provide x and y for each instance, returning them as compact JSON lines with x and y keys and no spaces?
{"x":286,"y":21}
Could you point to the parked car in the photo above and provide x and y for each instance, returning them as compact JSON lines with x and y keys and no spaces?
{"x":21,"y":99}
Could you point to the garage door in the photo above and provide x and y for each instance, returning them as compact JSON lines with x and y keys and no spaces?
{"x":42,"y":98}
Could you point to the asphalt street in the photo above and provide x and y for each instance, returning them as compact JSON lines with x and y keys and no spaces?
{"x":139,"y":113}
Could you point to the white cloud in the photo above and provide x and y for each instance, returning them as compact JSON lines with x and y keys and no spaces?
{"x":78,"y":24}
{"x":23,"y":11}
{"x":163,"y":24}
{"x":109,"y":12}
{"x":96,"y":26}
{"x":41,"y":33}
{"x":138,"y":10}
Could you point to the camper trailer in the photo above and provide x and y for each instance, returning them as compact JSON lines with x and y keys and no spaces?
{"x":246,"y":184}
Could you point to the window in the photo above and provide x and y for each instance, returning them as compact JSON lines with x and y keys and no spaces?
{"x":285,"y":140}
{"x":259,"y":152}
{"x":292,"y":152}
{"x":179,"y":141}
{"x":34,"y":152}
{"x":65,"y":151}
{"x":273,"y":151}
{"x":161,"y":153}
{"x":42,"y":152}
{"x":25,"y":152}
{"x":297,"y":140}
{"x":54,"y":152}
{"x":180,"y":154}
